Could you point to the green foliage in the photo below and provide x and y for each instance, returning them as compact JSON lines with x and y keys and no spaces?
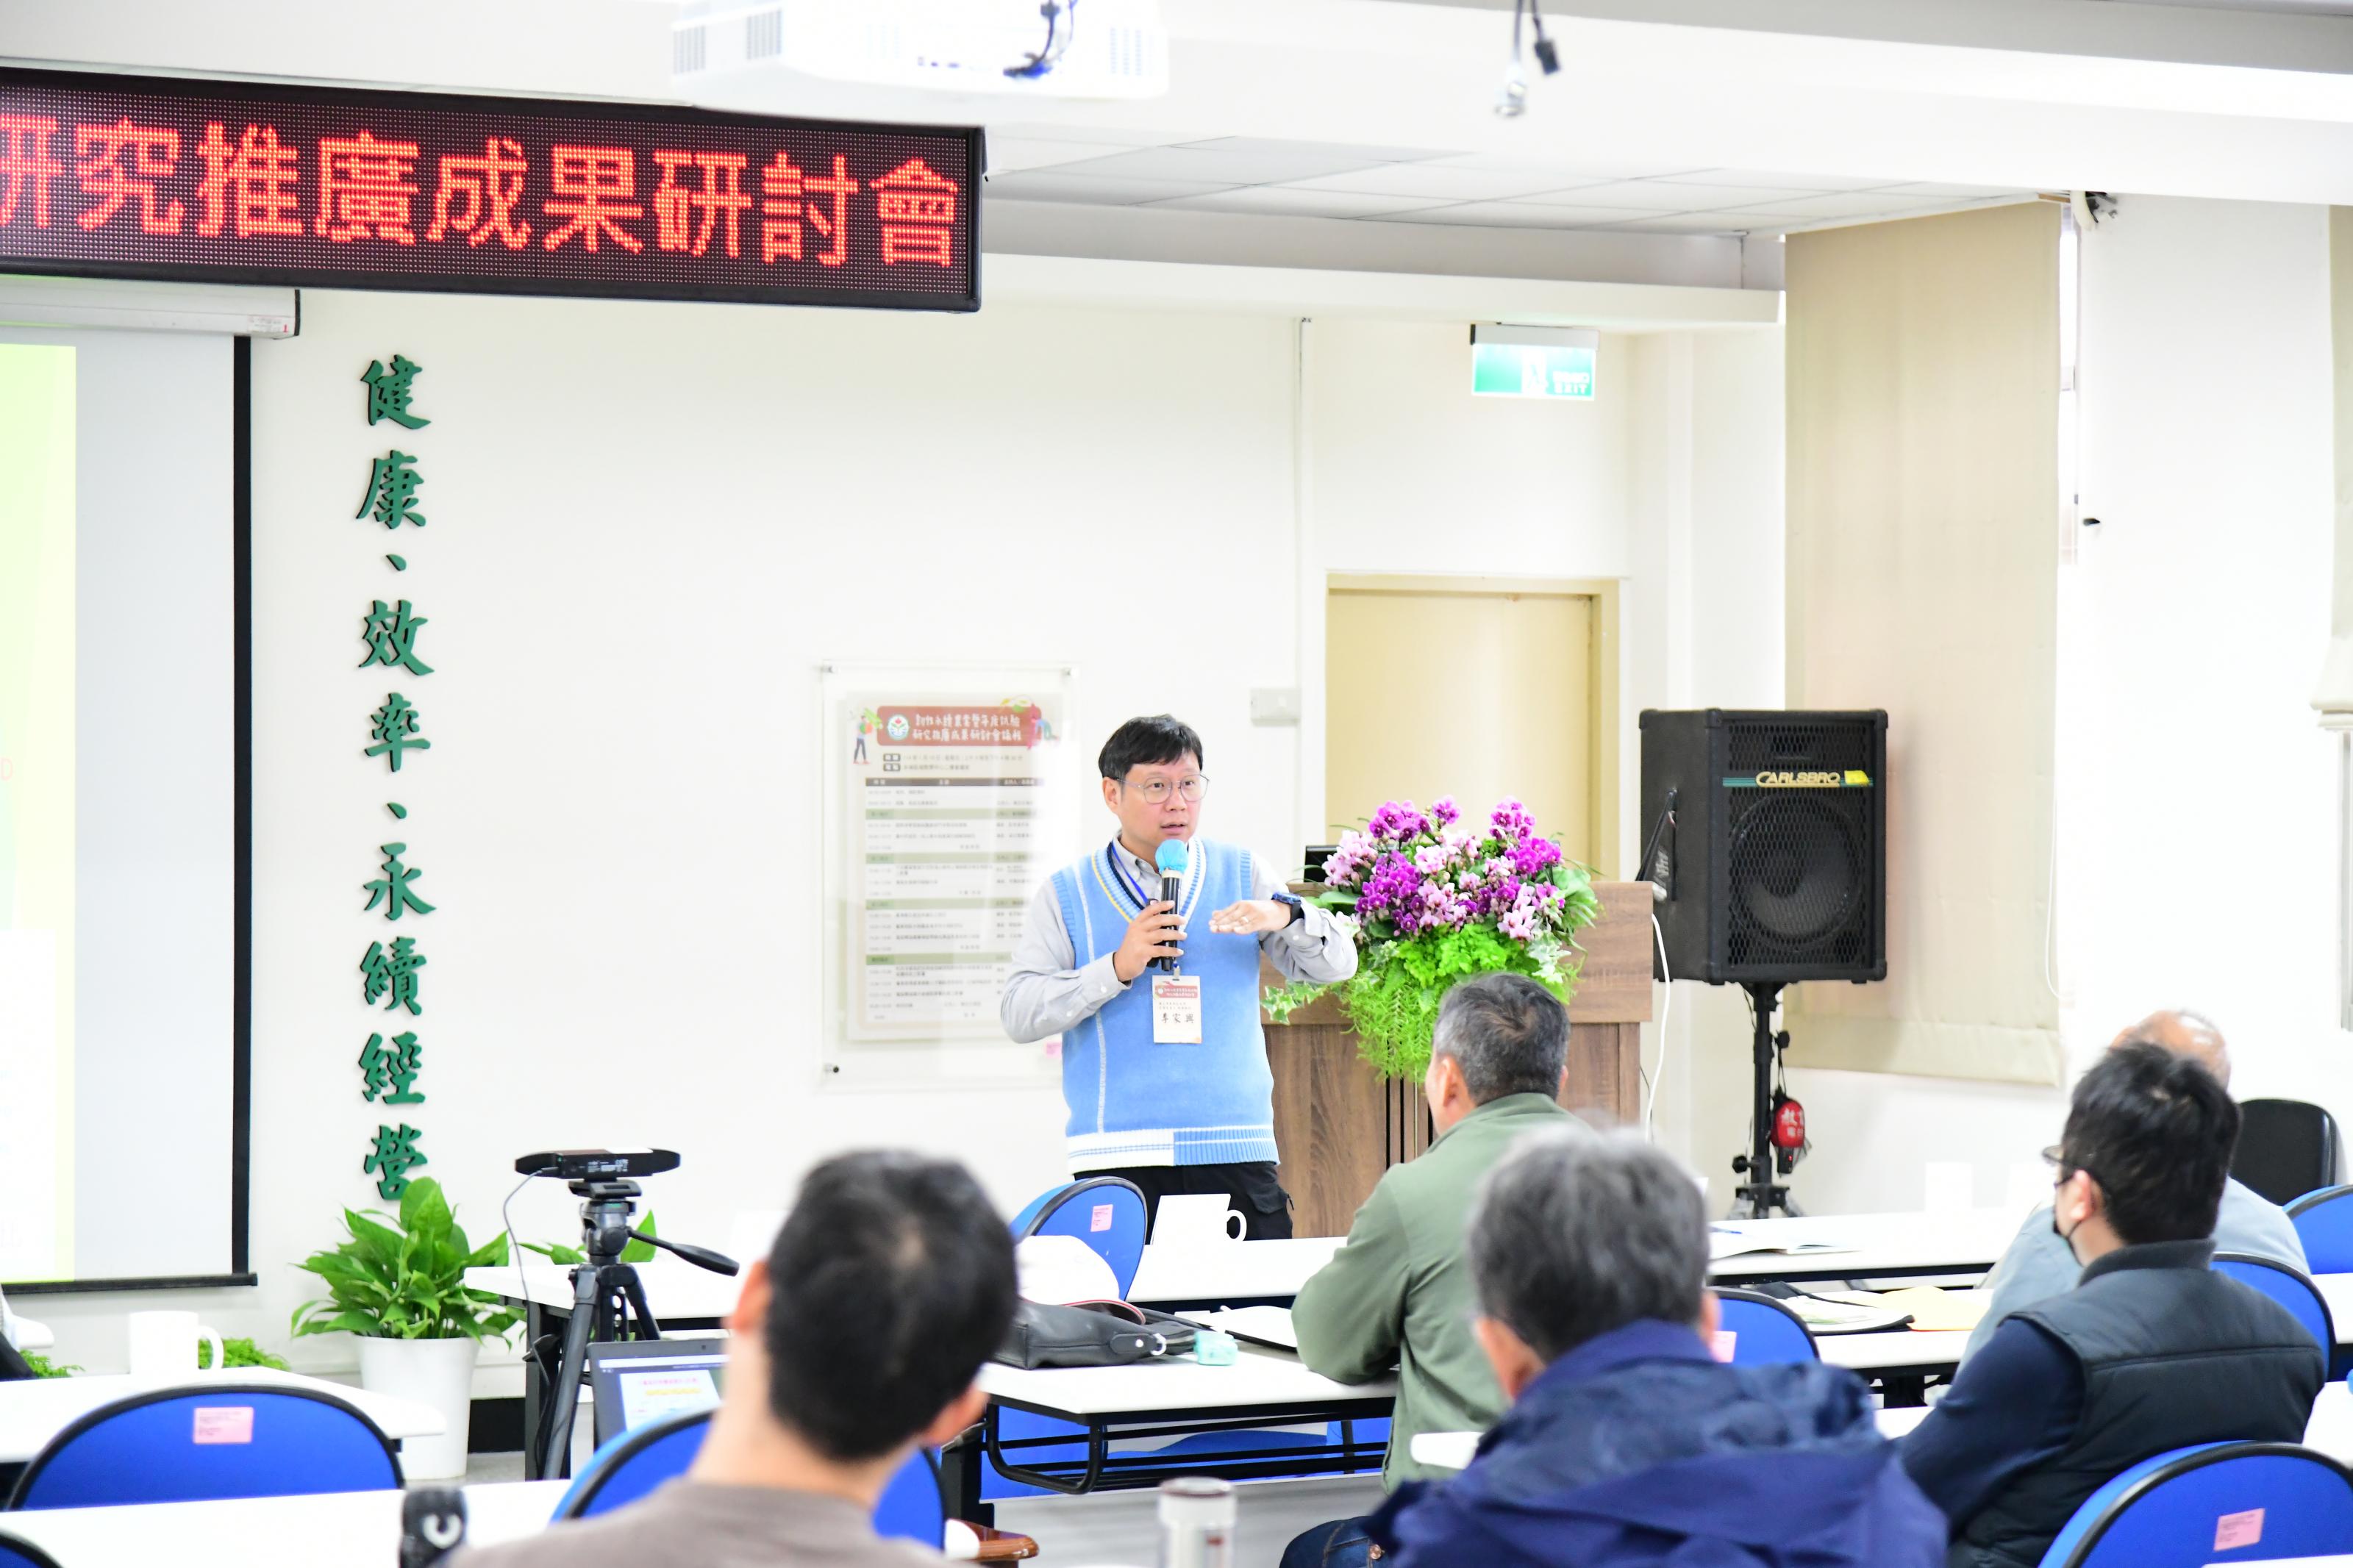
{"x":635,"y":1252}
{"x":237,"y":1353}
{"x":1392,"y":999}
{"x":406,"y":1281}
{"x":44,"y":1367}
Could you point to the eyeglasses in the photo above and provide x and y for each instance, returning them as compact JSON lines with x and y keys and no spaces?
{"x":2063,"y":1167}
{"x":1156,"y":790}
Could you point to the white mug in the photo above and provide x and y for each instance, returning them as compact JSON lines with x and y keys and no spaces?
{"x":163,"y":1344}
{"x":1196,"y":1220}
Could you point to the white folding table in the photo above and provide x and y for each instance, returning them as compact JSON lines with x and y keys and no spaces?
{"x":34,"y":1411}
{"x":273,"y":1532}
{"x":1163,"y":1400}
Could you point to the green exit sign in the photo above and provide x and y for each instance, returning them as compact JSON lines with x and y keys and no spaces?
{"x":1533,"y":362}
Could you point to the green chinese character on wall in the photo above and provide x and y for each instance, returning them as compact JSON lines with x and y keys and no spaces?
{"x":395,"y":1156}
{"x":391,"y":636}
{"x":388,"y":392}
{"x":391,"y":890}
{"x":390,"y":975}
{"x":393,"y":728}
{"x":388,"y":1070}
{"x":391,"y":489}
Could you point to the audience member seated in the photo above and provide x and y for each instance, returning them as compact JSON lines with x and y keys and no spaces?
{"x":2038,"y":1265}
{"x":1627,"y":1441}
{"x":2152,"y":1350}
{"x":855,"y":1341}
{"x":1398,"y":1294}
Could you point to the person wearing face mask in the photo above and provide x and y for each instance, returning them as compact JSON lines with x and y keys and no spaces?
{"x":2151,"y":1350}
{"x":2038,"y":1265}
{"x":1165,"y":1072}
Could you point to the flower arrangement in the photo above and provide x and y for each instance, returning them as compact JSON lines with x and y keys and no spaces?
{"x":1436,"y":902}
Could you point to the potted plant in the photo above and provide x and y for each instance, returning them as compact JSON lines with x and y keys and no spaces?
{"x":401,"y":1288}
{"x":1435,"y":903}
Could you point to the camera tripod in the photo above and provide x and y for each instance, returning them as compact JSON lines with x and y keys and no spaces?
{"x":609,"y":1305}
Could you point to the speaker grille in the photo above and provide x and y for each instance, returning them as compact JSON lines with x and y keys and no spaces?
{"x":1798,"y":868}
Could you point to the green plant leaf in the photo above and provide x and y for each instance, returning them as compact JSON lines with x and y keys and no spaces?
{"x":404,"y":1278}
{"x":639,"y":1251}
{"x":555,"y":1251}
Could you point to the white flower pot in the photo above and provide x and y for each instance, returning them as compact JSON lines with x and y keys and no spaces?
{"x":438,"y":1373}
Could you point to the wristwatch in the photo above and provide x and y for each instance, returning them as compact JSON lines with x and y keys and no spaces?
{"x":1290,"y":901}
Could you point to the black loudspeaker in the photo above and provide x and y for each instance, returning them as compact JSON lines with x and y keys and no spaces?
{"x":1769,"y":831}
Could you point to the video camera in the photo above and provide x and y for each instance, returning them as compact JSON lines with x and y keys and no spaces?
{"x":598,"y":1164}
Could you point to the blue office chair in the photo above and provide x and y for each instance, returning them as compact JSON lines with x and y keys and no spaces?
{"x":910,"y":1508}
{"x":2272,"y":1501}
{"x":2291,"y":1290}
{"x":16,"y":1553}
{"x":1767,"y":1333}
{"x":634,"y":1463}
{"x":231,"y":1440}
{"x":2324,"y":1223}
{"x":1107,"y":1213}
{"x":631,"y":1464}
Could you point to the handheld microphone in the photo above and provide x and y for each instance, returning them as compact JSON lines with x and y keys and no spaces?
{"x":1172,"y":858}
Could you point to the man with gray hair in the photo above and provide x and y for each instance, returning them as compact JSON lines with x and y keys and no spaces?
{"x":1627,"y":1442}
{"x":2038,"y":1267}
{"x":1397,"y":1294}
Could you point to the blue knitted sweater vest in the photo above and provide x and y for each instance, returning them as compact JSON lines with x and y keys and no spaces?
{"x":1133,"y":1103}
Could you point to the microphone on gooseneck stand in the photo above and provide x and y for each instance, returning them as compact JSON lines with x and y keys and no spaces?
{"x":1173,"y":859}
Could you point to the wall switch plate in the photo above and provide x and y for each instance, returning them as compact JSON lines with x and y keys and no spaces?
{"x":1274,"y":705}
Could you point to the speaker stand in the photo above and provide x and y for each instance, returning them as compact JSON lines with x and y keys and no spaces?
{"x":1759,"y":1195}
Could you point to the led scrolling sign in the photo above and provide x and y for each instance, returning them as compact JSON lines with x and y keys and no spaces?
{"x":238,"y":183}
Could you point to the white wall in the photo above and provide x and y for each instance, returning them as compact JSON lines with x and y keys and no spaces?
{"x":649,"y":523}
{"x":2196,"y":796}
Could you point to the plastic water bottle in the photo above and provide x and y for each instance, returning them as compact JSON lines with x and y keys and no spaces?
{"x":1197,"y":1522}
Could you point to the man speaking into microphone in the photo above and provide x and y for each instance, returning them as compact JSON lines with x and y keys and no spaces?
{"x":1164,"y":1054}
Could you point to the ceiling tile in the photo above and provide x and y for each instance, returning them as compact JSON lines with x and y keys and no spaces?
{"x":1105,"y":136}
{"x":1511,"y":215}
{"x":1852,"y":204}
{"x":1008,"y":156}
{"x":1663,"y":197}
{"x":1567,"y":168}
{"x":1259,"y":166}
{"x":1435,"y":181}
{"x":1338,"y":148}
{"x":1289,"y":201}
{"x":1949,"y":193}
{"x":1052,"y":185}
{"x":1710,"y":223}
{"x":1769,"y":180}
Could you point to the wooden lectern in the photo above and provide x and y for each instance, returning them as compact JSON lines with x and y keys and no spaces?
{"x":1339,"y":1126}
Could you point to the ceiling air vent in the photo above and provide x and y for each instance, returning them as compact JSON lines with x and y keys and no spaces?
{"x":687,"y":50}
{"x":763,"y":35}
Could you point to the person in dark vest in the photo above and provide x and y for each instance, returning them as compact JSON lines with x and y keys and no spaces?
{"x":1627,"y":1442}
{"x":2151,"y":1350}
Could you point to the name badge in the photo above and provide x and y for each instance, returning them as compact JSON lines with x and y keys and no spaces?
{"x":1176,"y":1010}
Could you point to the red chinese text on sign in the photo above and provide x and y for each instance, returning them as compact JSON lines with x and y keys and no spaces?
{"x":153,"y":151}
{"x":594,"y":188}
{"x":793,"y":195}
{"x":685,"y":214}
{"x":476,"y":196}
{"x":26,"y":166}
{"x":251,"y":184}
{"x":365,"y":190}
{"x":916,"y":207}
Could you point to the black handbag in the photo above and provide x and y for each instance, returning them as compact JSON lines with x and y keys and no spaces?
{"x":1091,"y":1334}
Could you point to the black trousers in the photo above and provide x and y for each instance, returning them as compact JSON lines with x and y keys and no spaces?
{"x":1264,"y":1205}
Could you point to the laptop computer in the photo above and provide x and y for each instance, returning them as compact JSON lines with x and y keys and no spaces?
{"x":636,"y":1381}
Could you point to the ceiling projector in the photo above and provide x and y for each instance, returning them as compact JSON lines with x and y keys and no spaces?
{"x":1098,"y":50}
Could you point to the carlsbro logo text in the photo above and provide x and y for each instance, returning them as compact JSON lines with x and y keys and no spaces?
{"x":1853,"y":778}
